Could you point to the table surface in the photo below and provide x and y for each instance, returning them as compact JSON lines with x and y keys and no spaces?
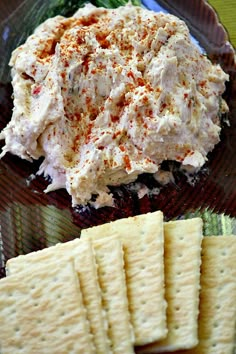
{"x":226,"y":10}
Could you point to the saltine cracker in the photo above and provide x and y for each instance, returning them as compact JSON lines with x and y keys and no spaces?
{"x":41,"y":311}
{"x":81,"y":253}
{"x":109,"y":258}
{"x":143,"y":242}
{"x":182,"y":258}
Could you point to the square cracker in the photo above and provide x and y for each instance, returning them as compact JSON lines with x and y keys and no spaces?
{"x":65,"y":251}
{"x":182,"y":244}
{"x":81,"y":253}
{"x":41,"y":311}
{"x":109,"y":258}
{"x":217,"y":318}
{"x":143,"y":242}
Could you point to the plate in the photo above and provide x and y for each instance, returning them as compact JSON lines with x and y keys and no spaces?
{"x":31,"y":220}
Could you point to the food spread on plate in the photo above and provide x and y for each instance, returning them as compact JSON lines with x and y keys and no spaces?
{"x":109,"y":94}
{"x":161,"y":287}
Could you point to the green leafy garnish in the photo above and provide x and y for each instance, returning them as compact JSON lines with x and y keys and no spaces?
{"x":69,"y":7}
{"x":114,"y":3}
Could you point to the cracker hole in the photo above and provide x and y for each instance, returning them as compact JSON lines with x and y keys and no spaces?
{"x":32,"y":287}
{"x":179,"y":272}
{"x":216,"y":324}
{"x":178,"y":290}
{"x":143,"y":267}
{"x":222,"y":271}
{"x":55,"y":279}
{"x":17,"y":329}
{"x":66,"y":331}
{"x":176,"y":327}
{"x":213,"y":345}
{"x":62,"y":313}
{"x":181,"y":238}
{"x":143,"y":302}
{"x":177,"y":308}
{"x":36,"y":304}
{"x":218,"y":307}
{"x":223,"y":253}
{"x":43,"y":339}
{"x":180,"y":255}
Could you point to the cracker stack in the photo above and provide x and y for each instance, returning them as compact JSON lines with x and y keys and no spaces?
{"x":143,"y":242}
{"x":217,"y":315}
{"x":107,"y":291}
{"x":217,"y":318}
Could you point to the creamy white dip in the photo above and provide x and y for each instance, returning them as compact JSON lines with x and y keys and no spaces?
{"x":109,"y":94}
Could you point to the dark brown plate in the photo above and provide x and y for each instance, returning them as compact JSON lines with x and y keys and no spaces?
{"x":31,"y":220}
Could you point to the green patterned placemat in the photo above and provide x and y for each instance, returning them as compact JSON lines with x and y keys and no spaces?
{"x":227,"y":14}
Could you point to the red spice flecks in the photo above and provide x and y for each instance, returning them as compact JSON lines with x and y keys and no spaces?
{"x":49,"y":49}
{"x":202,"y":83}
{"x":76,"y":140}
{"x":179,"y":158}
{"x":145,"y":100}
{"x":102,"y":40}
{"x":116,"y":134}
{"x":33,"y":70}
{"x":77,"y":116}
{"x":149,"y":88}
{"x":63,"y":74}
{"x":65,"y":62}
{"x":185,"y":96}
{"x":88,"y":21}
{"x":122,"y":148}
{"x":86,"y":62}
{"x":37,"y":90}
{"x":163,"y":106}
{"x":189,"y":103}
{"x":131,"y":74}
{"x":114,"y":119}
{"x":127,"y":162}
{"x":141,"y":81}
{"x":88,"y":100}
{"x":89,"y":131}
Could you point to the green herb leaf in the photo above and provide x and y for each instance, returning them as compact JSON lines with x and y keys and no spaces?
{"x":69,"y":7}
{"x":114,"y":3}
